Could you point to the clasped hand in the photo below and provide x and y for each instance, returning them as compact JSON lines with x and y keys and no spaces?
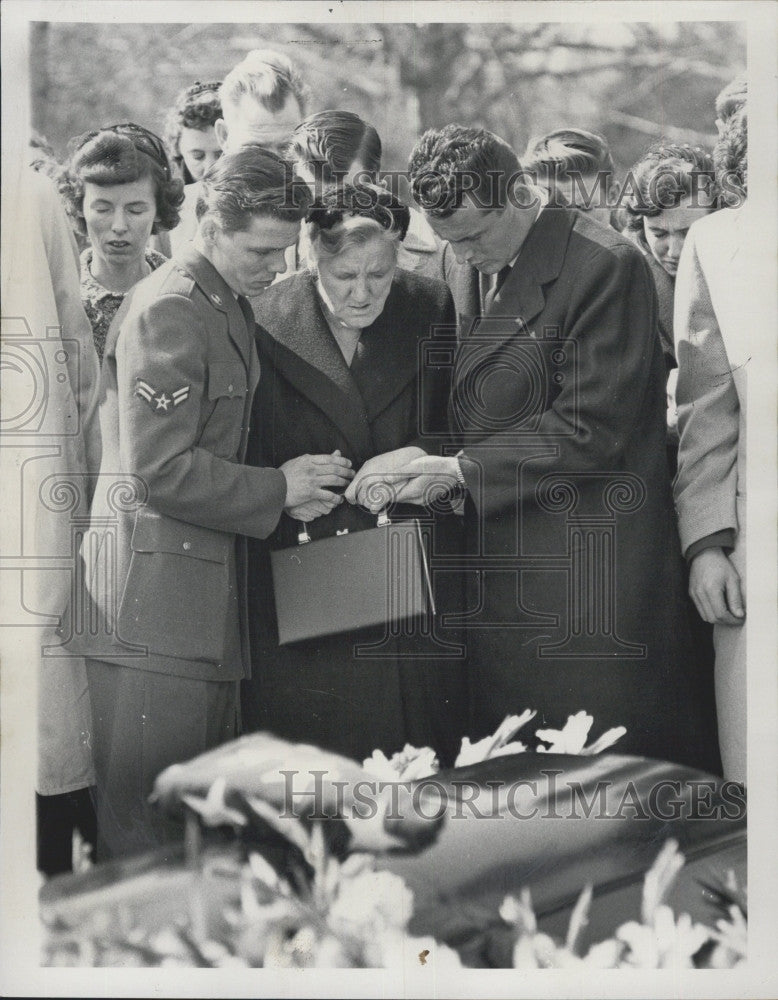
{"x":406,"y":475}
{"x":306,"y":479}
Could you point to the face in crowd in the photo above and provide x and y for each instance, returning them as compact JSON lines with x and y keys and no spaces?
{"x":487,"y":239}
{"x":199,"y":149}
{"x":249,"y":260}
{"x":355,"y":283}
{"x":119,"y":187}
{"x":665,"y":233}
{"x":249,"y":122}
{"x":118,"y":219}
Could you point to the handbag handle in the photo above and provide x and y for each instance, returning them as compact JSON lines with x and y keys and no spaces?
{"x":303,"y":537}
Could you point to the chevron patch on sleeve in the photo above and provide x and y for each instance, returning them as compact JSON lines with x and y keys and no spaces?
{"x":160,"y":401}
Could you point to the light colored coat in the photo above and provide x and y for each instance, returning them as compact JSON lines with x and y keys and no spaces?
{"x":715,"y":325}
{"x":50,"y":442}
{"x":713,"y":332}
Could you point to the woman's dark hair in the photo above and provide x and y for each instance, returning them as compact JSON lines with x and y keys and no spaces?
{"x":662,"y":178}
{"x":121,"y":154}
{"x":447,"y":162}
{"x":730,"y":156}
{"x":365,"y":201}
{"x":196,"y":107}
{"x":330,"y":142}
{"x":567,"y":150}
{"x":251,"y":181}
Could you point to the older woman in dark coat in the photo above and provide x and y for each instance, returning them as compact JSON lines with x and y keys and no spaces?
{"x":339,"y":347}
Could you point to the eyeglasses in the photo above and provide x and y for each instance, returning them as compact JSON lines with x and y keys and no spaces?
{"x":143,"y":140}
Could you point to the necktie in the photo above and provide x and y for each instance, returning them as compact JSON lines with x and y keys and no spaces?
{"x":500,"y":278}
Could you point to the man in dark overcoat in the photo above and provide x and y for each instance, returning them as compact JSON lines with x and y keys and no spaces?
{"x":558,"y":414}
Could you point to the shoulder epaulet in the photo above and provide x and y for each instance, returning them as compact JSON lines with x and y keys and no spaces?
{"x":177,"y":281}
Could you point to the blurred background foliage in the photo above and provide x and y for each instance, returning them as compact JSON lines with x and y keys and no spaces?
{"x":632,"y":82}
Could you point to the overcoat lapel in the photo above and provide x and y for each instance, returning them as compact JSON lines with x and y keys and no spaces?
{"x":521,"y":298}
{"x":387,"y":357}
{"x":304,"y":350}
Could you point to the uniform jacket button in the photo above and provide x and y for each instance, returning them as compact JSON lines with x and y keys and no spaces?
{"x":230,"y":387}
{"x":187,"y":546}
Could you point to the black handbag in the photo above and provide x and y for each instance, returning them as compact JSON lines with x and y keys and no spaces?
{"x":352,"y":580}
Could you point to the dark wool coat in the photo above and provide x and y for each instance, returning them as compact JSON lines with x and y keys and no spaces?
{"x":310,"y":401}
{"x":559,"y":403}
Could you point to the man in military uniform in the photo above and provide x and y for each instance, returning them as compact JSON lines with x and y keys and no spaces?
{"x":174,"y":501}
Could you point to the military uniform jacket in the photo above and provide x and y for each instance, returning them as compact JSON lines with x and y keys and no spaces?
{"x":162,"y":563}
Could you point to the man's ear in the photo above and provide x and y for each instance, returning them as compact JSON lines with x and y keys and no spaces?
{"x":208,"y":230}
{"x":220,"y":128}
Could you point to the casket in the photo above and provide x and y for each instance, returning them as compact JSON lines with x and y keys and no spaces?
{"x":462,"y":840}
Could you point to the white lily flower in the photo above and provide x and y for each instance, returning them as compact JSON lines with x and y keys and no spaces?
{"x":489,"y":746}
{"x":369,"y":903}
{"x":508,"y":749}
{"x":213,"y":810}
{"x":572,"y":738}
{"x":409,"y":764}
{"x":604,"y":954}
{"x":733,"y":933}
{"x":263,"y":872}
{"x":520,"y":912}
{"x":608,"y":738}
{"x":659,"y":878}
{"x":378,"y":764}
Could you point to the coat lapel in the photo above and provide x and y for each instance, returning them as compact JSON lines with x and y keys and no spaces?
{"x":294,"y":334}
{"x":387,"y":357}
{"x":521,"y":298}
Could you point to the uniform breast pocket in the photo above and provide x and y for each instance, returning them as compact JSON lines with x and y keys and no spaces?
{"x":176,"y":594}
{"x":227,"y":388}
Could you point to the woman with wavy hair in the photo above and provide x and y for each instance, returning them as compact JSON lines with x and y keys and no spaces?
{"x":190,"y":132}
{"x":670,"y":187}
{"x":120,"y":189}
{"x":194,"y":146}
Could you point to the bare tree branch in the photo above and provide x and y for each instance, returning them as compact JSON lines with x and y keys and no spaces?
{"x":655,"y":129}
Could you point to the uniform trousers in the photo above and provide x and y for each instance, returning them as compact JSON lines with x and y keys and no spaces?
{"x":142,"y":723}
